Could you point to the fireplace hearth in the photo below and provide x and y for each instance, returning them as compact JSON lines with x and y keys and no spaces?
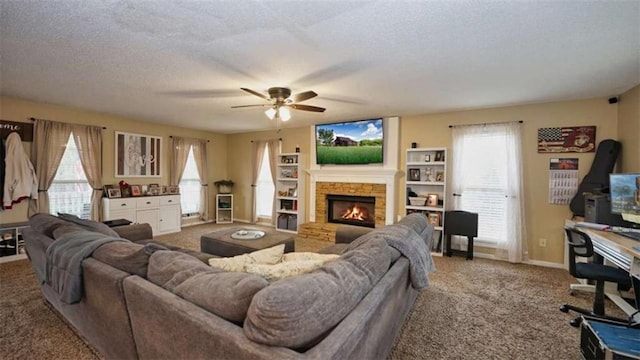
{"x":351,"y":210}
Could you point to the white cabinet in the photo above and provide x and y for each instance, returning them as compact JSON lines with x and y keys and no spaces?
{"x":11,"y":241}
{"x":224,"y":208}
{"x":162,"y":213}
{"x":426,"y":181}
{"x":289,"y":192}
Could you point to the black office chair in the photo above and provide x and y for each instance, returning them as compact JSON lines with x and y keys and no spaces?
{"x":580,"y":245}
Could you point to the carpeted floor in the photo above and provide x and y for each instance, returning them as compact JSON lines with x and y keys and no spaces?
{"x":478,"y":309}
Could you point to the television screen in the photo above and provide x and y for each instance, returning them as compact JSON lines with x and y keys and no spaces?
{"x":352,"y":142}
{"x":625,"y":193}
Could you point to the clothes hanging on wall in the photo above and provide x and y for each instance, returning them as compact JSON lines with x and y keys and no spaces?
{"x":20,"y":180}
{"x":2,"y":166}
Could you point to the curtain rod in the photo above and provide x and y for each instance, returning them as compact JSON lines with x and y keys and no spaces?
{"x":171,"y":136}
{"x":485,"y":124}
{"x":268,"y":139}
{"x":34,"y":119}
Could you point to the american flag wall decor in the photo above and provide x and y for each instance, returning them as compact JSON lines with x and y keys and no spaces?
{"x":578,"y":139}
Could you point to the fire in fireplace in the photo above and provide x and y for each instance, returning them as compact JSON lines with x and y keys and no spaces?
{"x":352,"y":210}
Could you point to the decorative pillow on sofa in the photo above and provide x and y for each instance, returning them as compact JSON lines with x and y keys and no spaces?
{"x":292,"y":264}
{"x":226,"y":294}
{"x":297,"y":311}
{"x":270,"y":255}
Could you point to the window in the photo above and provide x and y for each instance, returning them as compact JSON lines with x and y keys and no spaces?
{"x":487,"y":179}
{"x":265,"y":188}
{"x":190,"y":187}
{"x":70,"y":191}
{"x":484,"y":185}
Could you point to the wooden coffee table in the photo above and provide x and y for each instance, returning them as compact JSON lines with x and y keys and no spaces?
{"x":220,"y":243}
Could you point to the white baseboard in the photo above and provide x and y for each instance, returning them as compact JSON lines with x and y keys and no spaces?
{"x":197,"y":223}
{"x":528,"y":262}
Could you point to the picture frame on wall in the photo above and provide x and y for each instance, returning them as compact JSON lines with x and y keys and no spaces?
{"x":137,"y":155}
{"x":414,"y":174}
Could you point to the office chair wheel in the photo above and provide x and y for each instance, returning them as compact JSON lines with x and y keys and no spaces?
{"x":576,"y":322}
{"x":564,"y":308}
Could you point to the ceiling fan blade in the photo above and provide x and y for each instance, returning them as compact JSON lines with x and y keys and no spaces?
{"x":303,"y":96}
{"x":256,"y":93}
{"x":307,"y":108}
{"x":243,"y":106}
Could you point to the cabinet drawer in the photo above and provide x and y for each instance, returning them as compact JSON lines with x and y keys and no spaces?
{"x":170,"y":200}
{"x":116,"y":204}
{"x":147,"y":202}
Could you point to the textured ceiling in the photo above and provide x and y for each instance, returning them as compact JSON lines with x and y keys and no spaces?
{"x":183,"y":62}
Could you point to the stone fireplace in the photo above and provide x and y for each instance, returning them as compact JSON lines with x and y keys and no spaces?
{"x":351,"y":210}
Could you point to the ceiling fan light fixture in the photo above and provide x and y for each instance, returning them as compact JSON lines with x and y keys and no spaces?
{"x":285,"y":114}
{"x":271,"y":112}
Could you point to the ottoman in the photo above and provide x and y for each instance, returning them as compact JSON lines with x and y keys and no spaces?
{"x":220,"y":243}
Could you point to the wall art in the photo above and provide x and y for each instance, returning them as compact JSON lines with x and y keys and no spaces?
{"x":578,"y":139}
{"x":138,"y":155}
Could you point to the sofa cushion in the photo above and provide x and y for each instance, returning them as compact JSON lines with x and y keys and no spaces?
{"x":270,"y":255}
{"x":226,"y":294}
{"x":297,"y":311}
{"x":89,"y":224}
{"x":65,"y":229}
{"x":420,"y":224}
{"x":129,"y":257}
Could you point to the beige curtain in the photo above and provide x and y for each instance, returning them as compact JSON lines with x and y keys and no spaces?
{"x":200,"y":155}
{"x":258,"y":148}
{"x":88,"y":140}
{"x":49,"y":142}
{"x":177,"y":158}
{"x":274,"y":150}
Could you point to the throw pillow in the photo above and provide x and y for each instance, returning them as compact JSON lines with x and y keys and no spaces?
{"x":270,"y":255}
{"x":303,"y":256}
{"x":284,"y":269}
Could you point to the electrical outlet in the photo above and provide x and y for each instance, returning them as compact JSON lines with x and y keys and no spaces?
{"x":543,"y":242}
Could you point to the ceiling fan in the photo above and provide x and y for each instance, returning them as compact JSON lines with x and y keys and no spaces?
{"x":280,"y":100}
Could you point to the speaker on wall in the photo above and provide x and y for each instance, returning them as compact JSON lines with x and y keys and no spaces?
{"x":613,"y":100}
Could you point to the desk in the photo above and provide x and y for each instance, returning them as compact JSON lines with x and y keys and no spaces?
{"x":619,"y":251}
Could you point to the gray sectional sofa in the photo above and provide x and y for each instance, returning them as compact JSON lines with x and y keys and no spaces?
{"x":144,"y":300}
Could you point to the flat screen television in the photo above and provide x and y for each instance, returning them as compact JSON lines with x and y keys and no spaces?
{"x":625,"y":195}
{"x":350,"y":142}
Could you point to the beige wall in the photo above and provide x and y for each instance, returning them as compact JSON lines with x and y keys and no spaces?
{"x":543,"y":220}
{"x":239,"y":159}
{"x":229,"y":155}
{"x":629,"y":129}
{"x":13,"y":109}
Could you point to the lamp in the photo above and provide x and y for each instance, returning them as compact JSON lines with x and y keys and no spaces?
{"x":279,"y":112}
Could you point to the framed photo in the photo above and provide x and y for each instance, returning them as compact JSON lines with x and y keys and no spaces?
{"x":414,"y":174}
{"x":164,"y":189}
{"x":114,"y":193}
{"x":136,"y":190}
{"x":440,"y":175}
{"x":427,"y":158}
{"x":432,"y":200}
{"x":434,"y":219}
{"x":137,"y":155}
{"x":106,"y":189}
{"x":173,"y":189}
{"x":439,"y":156}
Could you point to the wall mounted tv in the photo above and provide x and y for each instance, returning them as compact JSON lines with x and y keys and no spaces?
{"x":350,"y":142}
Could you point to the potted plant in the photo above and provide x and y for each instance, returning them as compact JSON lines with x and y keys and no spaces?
{"x":224,"y":186}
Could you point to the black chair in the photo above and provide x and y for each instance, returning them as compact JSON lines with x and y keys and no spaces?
{"x":580,"y":245}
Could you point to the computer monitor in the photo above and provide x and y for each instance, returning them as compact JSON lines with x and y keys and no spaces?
{"x":625,"y":196}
